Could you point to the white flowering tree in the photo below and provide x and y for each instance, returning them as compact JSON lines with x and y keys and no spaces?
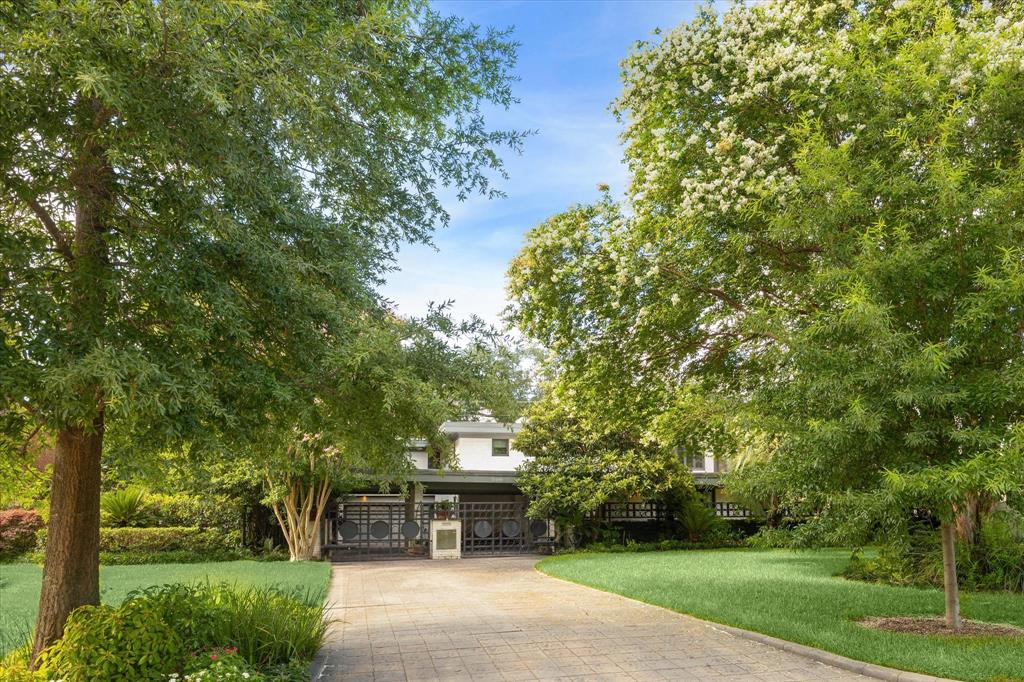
{"x":820,"y":265}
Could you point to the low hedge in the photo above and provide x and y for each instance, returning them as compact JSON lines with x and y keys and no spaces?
{"x":163,"y":545}
{"x":215,"y":511}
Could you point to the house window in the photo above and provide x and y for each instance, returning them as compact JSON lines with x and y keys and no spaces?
{"x":499,"y":447}
{"x":694,"y":461}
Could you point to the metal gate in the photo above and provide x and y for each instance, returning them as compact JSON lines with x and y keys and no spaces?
{"x":396,"y":530}
{"x":495,"y":528}
{"x":377,"y":530}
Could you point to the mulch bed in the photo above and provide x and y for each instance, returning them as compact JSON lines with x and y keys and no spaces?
{"x":927,"y":625}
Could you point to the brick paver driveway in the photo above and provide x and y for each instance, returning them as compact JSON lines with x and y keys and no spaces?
{"x":499,"y":619}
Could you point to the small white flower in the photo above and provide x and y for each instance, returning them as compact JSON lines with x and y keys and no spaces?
{"x":675,"y":299}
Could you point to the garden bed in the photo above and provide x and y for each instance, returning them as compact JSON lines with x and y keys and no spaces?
{"x":19,"y":588}
{"x":937,"y":626}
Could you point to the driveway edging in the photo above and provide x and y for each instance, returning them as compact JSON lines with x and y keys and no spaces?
{"x":827,"y":657}
{"x":878,"y":672}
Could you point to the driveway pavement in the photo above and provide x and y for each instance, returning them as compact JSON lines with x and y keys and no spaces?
{"x":499,"y":619}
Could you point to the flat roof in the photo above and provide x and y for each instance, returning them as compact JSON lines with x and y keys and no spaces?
{"x":493,"y":429}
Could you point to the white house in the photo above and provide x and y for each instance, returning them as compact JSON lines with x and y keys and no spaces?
{"x":490,"y":508}
{"x":487,"y":461}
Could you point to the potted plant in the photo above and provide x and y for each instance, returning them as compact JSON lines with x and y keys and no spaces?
{"x":443,"y":509}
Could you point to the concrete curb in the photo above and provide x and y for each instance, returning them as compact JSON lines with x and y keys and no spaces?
{"x":835,"y":660}
{"x":878,"y":672}
{"x":318,"y":665}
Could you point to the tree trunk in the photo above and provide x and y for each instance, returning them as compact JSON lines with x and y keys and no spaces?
{"x":949,"y":575}
{"x":71,"y":566}
{"x":300,"y":514}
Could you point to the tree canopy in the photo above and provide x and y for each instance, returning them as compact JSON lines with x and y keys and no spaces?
{"x":199,"y":199}
{"x":573,"y":470}
{"x":820,"y":264}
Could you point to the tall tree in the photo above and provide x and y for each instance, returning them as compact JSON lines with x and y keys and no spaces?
{"x":823,"y":264}
{"x":401,"y":379}
{"x":196,"y":195}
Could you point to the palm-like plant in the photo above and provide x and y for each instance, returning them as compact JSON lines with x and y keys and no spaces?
{"x":697,"y":520}
{"x":125,"y":507}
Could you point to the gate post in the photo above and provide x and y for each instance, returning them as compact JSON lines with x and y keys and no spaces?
{"x":445,"y":539}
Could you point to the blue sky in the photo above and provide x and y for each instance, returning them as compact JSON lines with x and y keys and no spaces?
{"x":569,"y":73}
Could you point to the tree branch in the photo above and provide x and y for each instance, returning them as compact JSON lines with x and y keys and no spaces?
{"x":60,"y":240}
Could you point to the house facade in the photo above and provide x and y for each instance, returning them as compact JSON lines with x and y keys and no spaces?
{"x":487,"y":462}
{"x":484,"y":495}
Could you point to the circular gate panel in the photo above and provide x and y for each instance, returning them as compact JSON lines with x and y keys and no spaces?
{"x":510,"y":528}
{"x":348,"y":530}
{"x":483,"y":529}
{"x":538,"y":528}
{"x":410,"y":529}
{"x":380,"y":529}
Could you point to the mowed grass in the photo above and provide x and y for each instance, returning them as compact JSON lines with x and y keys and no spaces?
{"x":795,"y":595}
{"x":20,"y":583}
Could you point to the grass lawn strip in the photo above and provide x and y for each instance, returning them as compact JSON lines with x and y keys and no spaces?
{"x":20,"y":582}
{"x":795,"y":596}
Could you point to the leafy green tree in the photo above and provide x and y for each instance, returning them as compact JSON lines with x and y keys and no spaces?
{"x":198,"y":201}
{"x":398,"y":381}
{"x":572,"y":470}
{"x":822,"y":263}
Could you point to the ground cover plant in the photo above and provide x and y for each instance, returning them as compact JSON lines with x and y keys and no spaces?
{"x":20,"y":583}
{"x":795,"y":595}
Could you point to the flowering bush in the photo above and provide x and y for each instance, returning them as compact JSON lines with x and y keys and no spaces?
{"x":18,"y":529}
{"x":222,"y":664}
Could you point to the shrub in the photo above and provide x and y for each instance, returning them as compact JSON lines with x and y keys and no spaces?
{"x":125,"y":507}
{"x":999,"y":557}
{"x":698,"y":521}
{"x":14,"y":666}
{"x":802,"y":536}
{"x":215,"y":511}
{"x":164,"y":545}
{"x":131,"y":642}
{"x":18,"y":528}
{"x":660,"y":546}
{"x":994,"y":562}
{"x":191,"y":632}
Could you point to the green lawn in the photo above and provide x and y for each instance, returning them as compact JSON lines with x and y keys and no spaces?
{"x":19,"y":585}
{"x":795,"y":595}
